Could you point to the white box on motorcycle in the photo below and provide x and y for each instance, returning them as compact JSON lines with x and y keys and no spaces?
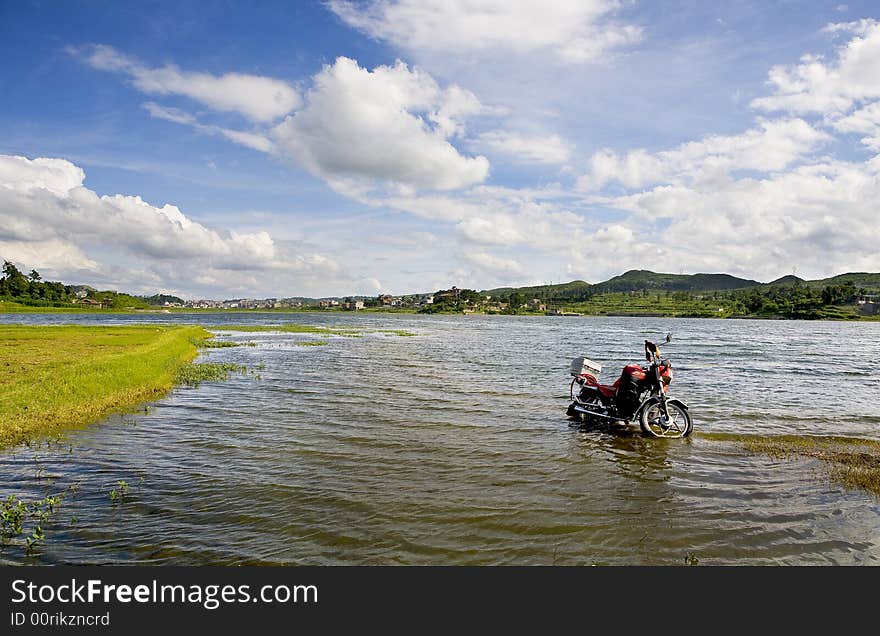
{"x":585,"y":365}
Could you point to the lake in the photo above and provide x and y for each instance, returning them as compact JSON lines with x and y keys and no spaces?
{"x":452,"y":447}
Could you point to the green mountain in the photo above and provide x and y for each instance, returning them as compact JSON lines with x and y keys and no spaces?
{"x":641,"y":279}
{"x":637,"y":280}
{"x":574,"y":289}
{"x":859,"y":279}
{"x":791,"y":279}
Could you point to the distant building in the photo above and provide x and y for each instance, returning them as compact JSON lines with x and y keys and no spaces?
{"x":536,"y":305}
{"x":91,"y":302}
{"x":448,"y":294}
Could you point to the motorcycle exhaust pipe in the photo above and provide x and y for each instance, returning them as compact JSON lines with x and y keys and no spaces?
{"x":581,"y":409}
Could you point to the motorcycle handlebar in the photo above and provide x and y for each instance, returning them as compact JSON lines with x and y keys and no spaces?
{"x":651,"y":348}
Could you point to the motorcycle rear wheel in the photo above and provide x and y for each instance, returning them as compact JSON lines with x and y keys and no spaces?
{"x":654,"y":424}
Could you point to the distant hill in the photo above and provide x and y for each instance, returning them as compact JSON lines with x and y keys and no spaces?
{"x":859,"y":279}
{"x":85,"y":288}
{"x":161,"y":299}
{"x":574,"y":289}
{"x":791,"y":279}
{"x":641,"y":279}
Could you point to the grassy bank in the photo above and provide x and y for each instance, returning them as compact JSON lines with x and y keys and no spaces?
{"x":55,"y":377}
{"x":853,"y":462}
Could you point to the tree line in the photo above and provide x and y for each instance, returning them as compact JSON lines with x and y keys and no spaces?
{"x":18,"y":287}
{"x":32,"y":290}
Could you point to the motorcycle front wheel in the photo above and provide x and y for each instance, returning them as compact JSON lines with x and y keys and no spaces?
{"x":677,"y":422}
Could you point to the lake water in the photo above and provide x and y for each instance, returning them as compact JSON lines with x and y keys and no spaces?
{"x":452,"y":447}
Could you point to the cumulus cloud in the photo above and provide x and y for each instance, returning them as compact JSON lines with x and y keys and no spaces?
{"x":572,"y":30}
{"x":819,"y":217}
{"x":497,"y":265}
{"x":546,"y":149}
{"x":391,"y":124}
{"x":359,"y":130}
{"x":864,"y":121}
{"x":258,"y":98}
{"x":816,"y":85}
{"x":763,"y":201}
{"x":49,"y":219}
{"x":773,"y":145}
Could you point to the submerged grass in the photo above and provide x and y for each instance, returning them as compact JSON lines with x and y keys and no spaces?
{"x":311,"y":343}
{"x":852,"y":462}
{"x":290,"y":327}
{"x":195,"y":373}
{"x":211,"y":343}
{"x":55,"y":377}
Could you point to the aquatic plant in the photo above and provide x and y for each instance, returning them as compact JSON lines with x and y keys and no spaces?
{"x":15,"y":513}
{"x":348,"y":332}
{"x":311,"y":343}
{"x":195,"y":373}
{"x":119,"y":493}
{"x":211,"y":343}
{"x":852,"y":462}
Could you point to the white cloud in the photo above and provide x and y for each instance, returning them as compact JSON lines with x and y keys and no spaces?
{"x":821,"y":218}
{"x":58,"y":176}
{"x":818,"y":86}
{"x":391,"y":127}
{"x":759,"y":203}
{"x":391,"y":124}
{"x":773,"y":145}
{"x":254,"y":141}
{"x":572,"y":30}
{"x":260,"y":99}
{"x":865,"y":121}
{"x":52,"y":255}
{"x":49,"y":219}
{"x":496,"y":265}
{"x":546,"y":149}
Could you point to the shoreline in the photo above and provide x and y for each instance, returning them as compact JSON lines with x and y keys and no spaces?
{"x":8,"y":311}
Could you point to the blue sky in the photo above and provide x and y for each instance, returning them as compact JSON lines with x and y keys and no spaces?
{"x":219,"y":149}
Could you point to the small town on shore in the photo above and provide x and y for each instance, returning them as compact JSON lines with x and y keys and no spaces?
{"x":851,"y":296}
{"x":469,"y":300}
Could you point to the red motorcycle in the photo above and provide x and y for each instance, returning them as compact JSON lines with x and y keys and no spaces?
{"x":640,"y":393}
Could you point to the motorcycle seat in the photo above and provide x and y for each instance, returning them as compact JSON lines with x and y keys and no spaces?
{"x":609,"y":391}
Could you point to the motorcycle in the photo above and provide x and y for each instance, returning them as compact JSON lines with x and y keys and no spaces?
{"x":640,"y":393}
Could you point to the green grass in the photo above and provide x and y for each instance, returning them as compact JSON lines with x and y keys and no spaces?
{"x":8,"y":307}
{"x":311,"y":343}
{"x":56,"y":377}
{"x":639,"y":304}
{"x":853,"y":462}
